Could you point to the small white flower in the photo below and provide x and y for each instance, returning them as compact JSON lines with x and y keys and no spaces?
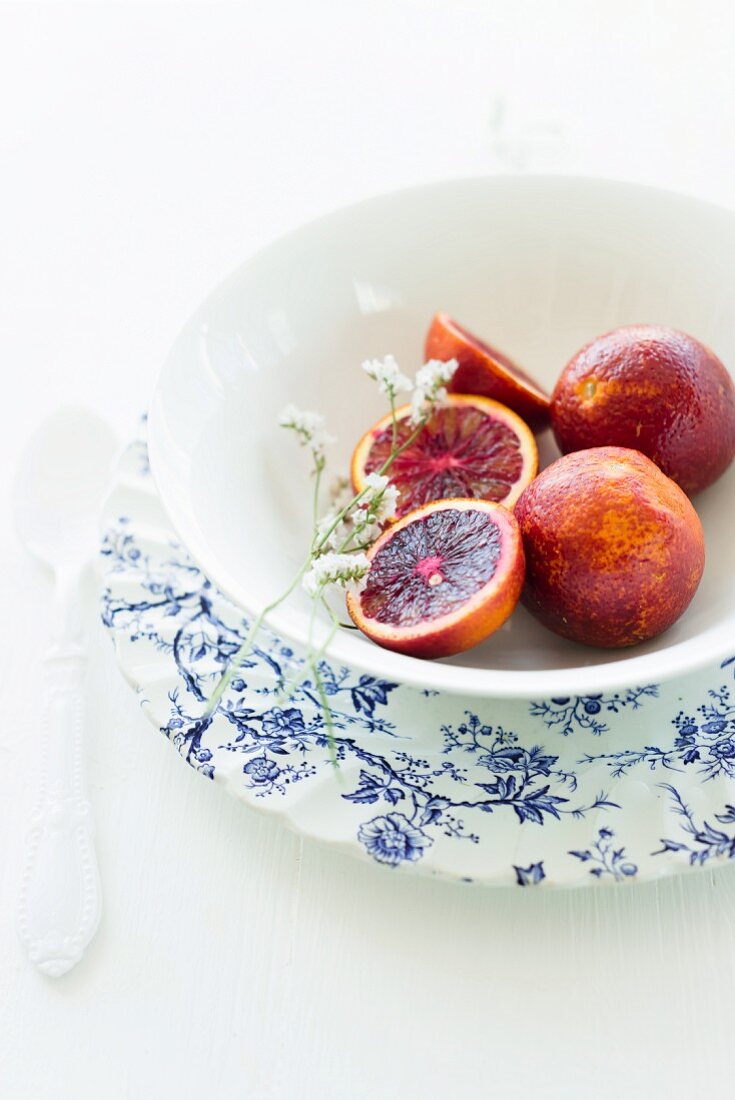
{"x":436,"y":372}
{"x":418,"y":408}
{"x":327,"y":537}
{"x":376,"y":483}
{"x":388,"y":375}
{"x":366,"y":527}
{"x":430,"y":391}
{"x":309,"y":429}
{"x":358,"y":522}
{"x":379,"y":498}
{"x":300,"y":420}
{"x":348,"y":571}
{"x":387,"y":505}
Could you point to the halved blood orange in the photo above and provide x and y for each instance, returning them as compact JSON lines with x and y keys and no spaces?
{"x":441,"y":579}
{"x":486,"y":371}
{"x":470,"y":447}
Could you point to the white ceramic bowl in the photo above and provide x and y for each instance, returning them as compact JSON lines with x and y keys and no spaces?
{"x":537,"y":265}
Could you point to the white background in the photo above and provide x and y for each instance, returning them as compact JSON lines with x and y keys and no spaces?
{"x":145,"y":150}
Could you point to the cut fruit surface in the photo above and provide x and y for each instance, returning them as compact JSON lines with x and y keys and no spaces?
{"x":486,"y":371}
{"x":470,"y":447}
{"x":442,"y":579}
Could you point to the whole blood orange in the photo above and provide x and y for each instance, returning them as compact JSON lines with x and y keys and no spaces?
{"x":654,"y":389}
{"x":441,"y":579}
{"x":614,"y":549}
{"x":470,"y":447}
{"x":486,"y":371}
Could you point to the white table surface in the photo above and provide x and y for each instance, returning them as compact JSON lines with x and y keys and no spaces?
{"x":145,"y":149}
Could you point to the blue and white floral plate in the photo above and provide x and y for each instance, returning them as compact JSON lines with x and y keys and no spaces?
{"x":569,"y":791}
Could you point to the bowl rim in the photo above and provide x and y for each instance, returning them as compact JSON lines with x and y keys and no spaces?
{"x":575,"y":680}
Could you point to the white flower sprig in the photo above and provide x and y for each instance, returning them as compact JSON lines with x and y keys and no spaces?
{"x":309,"y":428}
{"x":357,"y":524}
{"x":386,"y":372}
{"x":336,"y":556}
{"x":348,"y":571}
{"x":430,"y":389}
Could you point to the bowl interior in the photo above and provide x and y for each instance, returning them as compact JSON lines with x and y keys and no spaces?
{"x":535,"y":265}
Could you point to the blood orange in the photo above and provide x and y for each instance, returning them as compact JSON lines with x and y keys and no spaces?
{"x":655,"y":390}
{"x":614,"y":548}
{"x":470,"y":447}
{"x":486,"y":371}
{"x":441,"y":579}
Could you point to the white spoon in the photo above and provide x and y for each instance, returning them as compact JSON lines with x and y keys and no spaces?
{"x":60,"y":482}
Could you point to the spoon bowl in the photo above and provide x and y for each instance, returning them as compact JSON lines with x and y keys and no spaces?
{"x":61,"y":478}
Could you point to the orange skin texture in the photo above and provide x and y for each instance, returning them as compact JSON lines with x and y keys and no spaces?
{"x":486,"y":371}
{"x":614,"y":549}
{"x":656,"y":390}
{"x":479,"y":618}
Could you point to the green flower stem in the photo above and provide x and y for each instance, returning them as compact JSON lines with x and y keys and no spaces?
{"x":324,"y":701}
{"x":395,"y":453}
{"x":224,"y":681}
{"x":317,"y":483}
{"x":289,"y":687}
{"x":335,"y":621}
{"x":358,"y":496}
{"x":336,"y":624}
{"x":313,"y":659}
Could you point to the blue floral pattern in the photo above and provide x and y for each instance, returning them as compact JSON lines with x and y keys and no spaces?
{"x":700,"y":842}
{"x":582,"y":712}
{"x":605,"y":858}
{"x":531,"y":875}
{"x":411,"y":778}
{"x":392,"y":838}
{"x":704,"y":741}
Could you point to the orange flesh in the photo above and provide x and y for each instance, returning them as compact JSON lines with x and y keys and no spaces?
{"x":503,"y":360}
{"x":442,"y":578}
{"x":431,"y":567}
{"x":486,"y":371}
{"x":470,"y":448}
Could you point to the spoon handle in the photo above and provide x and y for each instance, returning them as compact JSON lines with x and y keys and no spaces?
{"x":60,"y":898}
